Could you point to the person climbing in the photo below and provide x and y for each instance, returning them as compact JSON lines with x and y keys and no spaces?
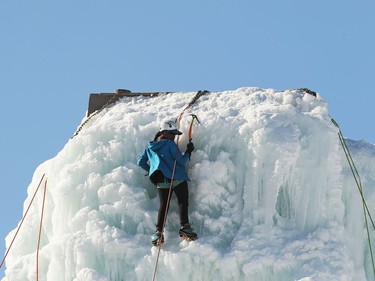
{"x":164,"y":162}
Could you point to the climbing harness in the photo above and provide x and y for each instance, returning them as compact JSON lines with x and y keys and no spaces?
{"x":357,"y":179}
{"x":40,"y":226}
{"x":190,"y":104}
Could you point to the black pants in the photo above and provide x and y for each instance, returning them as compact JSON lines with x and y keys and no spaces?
{"x":182,"y":193}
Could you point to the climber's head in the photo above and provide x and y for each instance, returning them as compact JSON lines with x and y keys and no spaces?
{"x":168,"y":130}
{"x":170,"y":127}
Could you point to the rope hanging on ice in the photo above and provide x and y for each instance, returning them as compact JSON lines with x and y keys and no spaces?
{"x":357,"y":179}
{"x":40,"y":226}
{"x":190,"y":104}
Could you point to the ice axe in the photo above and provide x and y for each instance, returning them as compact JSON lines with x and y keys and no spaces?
{"x":195,"y":117}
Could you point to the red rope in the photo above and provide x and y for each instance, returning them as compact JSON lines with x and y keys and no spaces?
{"x":40,"y":231}
{"x":196,"y":97}
{"x":165,"y":219}
{"x":169,"y":197}
{"x":171,"y":185}
{"x":10,"y":246}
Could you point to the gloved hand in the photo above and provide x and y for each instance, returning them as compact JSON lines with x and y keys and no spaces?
{"x":189,"y":147}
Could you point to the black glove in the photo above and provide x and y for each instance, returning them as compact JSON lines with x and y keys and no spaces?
{"x":189,"y":147}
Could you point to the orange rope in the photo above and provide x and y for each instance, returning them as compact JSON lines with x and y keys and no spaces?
{"x":40,"y":231}
{"x":10,"y":246}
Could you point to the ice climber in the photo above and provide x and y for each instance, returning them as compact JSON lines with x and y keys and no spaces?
{"x":158,"y":159}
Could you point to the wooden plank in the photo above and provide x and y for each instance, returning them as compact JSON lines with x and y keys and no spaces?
{"x":97,"y":101}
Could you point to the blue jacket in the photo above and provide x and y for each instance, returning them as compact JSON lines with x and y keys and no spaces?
{"x":160,"y":155}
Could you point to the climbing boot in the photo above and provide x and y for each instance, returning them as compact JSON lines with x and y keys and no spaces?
{"x":157,"y":238}
{"x":186,"y":232}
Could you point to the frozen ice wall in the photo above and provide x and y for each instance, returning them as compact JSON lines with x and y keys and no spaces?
{"x":271,"y":196}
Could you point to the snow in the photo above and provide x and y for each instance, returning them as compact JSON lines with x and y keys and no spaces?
{"x":271,"y":196}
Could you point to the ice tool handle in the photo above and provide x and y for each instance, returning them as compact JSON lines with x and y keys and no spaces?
{"x":195,"y":117}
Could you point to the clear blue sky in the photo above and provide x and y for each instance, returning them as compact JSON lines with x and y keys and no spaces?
{"x":53,"y":54}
